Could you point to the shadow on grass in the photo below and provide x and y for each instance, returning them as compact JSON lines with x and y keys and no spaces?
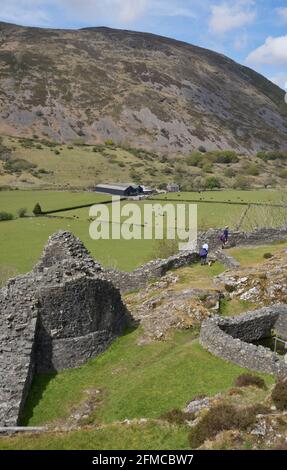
{"x":39,"y":385}
{"x":41,"y":382}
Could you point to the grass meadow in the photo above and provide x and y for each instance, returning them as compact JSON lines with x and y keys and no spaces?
{"x":22,"y":240}
{"x":133,"y":382}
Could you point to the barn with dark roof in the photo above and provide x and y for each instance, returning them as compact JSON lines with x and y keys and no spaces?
{"x":120,"y":189}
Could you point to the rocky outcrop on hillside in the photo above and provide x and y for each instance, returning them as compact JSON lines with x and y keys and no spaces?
{"x":137,"y":89}
{"x":165,"y":305}
{"x":262,"y":285}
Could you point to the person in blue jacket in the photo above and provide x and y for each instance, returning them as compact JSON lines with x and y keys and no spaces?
{"x":224,"y":237}
{"x":203,"y":253}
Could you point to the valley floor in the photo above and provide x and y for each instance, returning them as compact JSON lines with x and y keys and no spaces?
{"x":120,"y":399}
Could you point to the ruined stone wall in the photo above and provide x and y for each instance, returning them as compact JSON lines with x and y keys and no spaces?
{"x":280,"y":327}
{"x":229,"y":338}
{"x":57,"y":316}
{"x":18,"y":322}
{"x":257,"y":237}
{"x":139,"y":278}
{"x":77,"y":320}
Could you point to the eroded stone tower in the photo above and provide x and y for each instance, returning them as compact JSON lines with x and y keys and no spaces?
{"x":57,"y":316}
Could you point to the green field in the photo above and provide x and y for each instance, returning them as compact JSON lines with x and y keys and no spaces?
{"x":133,"y":382}
{"x":22,"y":240}
{"x":260,"y":195}
{"x":12,"y":201}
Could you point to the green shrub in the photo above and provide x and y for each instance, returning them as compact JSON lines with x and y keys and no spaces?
{"x":252,"y":169}
{"x":229,"y":173}
{"x":272,"y":155}
{"x":43,"y":171}
{"x":27,"y":143}
{"x":99,"y":148}
{"x":267,"y":256}
{"x":223,"y":156}
{"x":57,"y":152}
{"x":207,"y":168}
{"x":223,"y":417}
{"x":279,"y":395}
{"x":135,"y":176}
{"x":177,"y":416}
{"x":6,"y":216}
{"x":79,"y":142}
{"x":245,"y":380}
{"x":22,"y":212}
{"x":242,"y":182}
{"x":283,"y":174}
{"x":47,"y":143}
{"x":194,"y":159}
{"x":202,"y":149}
{"x":109,"y":142}
{"x":18,"y":165}
{"x":37,"y":210}
{"x":212,"y":183}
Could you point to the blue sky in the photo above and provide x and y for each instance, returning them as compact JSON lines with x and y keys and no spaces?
{"x":253,"y":33}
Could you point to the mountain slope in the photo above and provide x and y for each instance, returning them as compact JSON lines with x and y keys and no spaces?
{"x":139,"y":89}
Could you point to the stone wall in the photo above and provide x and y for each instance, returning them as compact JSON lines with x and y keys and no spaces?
{"x":69,"y":309}
{"x":280,"y":327}
{"x":78,"y":319}
{"x":257,"y":237}
{"x":58,"y":316}
{"x":230,"y":339}
{"x":18,"y":320}
{"x":139,"y":278}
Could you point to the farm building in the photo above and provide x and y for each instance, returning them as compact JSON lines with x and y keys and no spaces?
{"x":120,"y":189}
{"x":173,"y":188}
{"x":147,"y":191}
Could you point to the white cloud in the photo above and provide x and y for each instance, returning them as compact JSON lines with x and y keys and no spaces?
{"x":273,"y":51}
{"x":120,"y":11}
{"x":171,"y":8}
{"x":280,"y":80}
{"x":282,"y":12}
{"x":44,"y":12}
{"x":124,"y":11}
{"x":226,"y":17}
{"x":24,"y":12}
{"x":241,"y":42}
{"x":91,"y":12}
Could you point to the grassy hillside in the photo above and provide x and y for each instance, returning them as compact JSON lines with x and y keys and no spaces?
{"x":34,"y":164}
